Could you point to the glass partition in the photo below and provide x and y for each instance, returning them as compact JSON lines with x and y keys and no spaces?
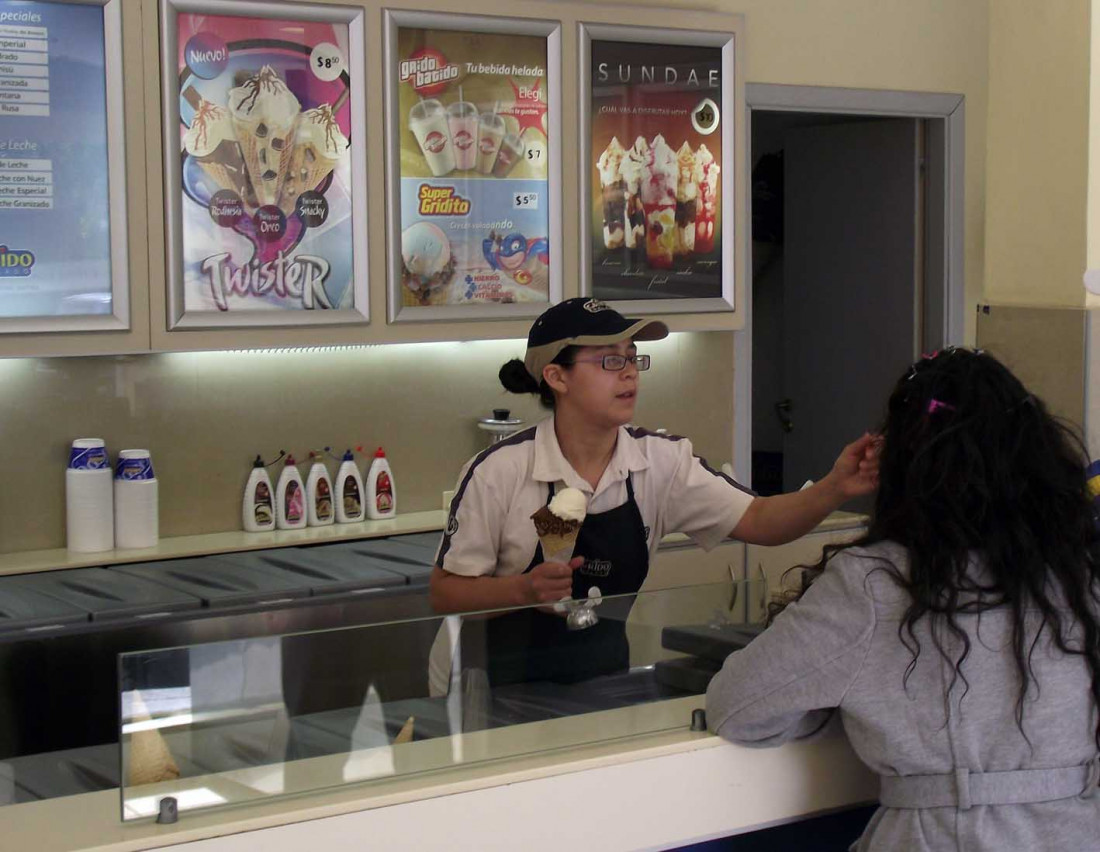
{"x":235,"y":722}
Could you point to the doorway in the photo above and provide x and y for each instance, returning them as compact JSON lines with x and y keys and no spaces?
{"x":856,"y":267}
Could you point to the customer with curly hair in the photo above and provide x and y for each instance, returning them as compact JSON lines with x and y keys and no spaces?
{"x":959,"y":637}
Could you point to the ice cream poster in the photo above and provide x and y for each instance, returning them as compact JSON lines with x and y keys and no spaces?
{"x":472,"y":119}
{"x":265,"y":164}
{"x":656,"y":150}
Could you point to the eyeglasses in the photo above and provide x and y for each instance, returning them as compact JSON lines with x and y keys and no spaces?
{"x":615,"y":363}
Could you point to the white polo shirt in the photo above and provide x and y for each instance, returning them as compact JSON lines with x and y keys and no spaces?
{"x":489,"y":529}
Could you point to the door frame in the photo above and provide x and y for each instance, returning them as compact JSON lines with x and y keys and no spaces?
{"x":943,"y":322}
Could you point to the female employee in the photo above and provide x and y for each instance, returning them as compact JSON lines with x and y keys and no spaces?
{"x":583,"y":363}
{"x":959,"y":639}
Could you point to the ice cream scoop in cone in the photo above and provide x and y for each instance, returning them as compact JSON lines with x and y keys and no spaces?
{"x":559,"y":523}
{"x":265,"y":117}
{"x":318,"y":146}
{"x":150,"y":758}
{"x":212,"y":143}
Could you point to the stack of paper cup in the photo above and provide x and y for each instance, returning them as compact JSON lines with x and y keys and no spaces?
{"x":89,"y":503}
{"x":136,"y":512}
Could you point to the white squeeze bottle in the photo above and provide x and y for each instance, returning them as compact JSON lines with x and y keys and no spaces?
{"x":258,"y":505}
{"x":319,"y":493}
{"x":290,"y":498}
{"x":349,"y":491}
{"x":381,"y":489}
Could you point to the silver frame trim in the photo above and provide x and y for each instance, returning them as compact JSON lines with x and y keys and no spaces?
{"x":177,"y":317}
{"x":733,"y":244}
{"x":392,"y":20}
{"x":118,"y":220}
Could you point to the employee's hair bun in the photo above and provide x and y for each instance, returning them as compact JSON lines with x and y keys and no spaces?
{"x":515,"y":378}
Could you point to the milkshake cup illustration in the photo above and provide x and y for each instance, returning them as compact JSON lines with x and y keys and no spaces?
{"x":318,"y":146}
{"x":687,"y":196}
{"x":265,"y":117}
{"x":633,"y":168}
{"x":511,"y":150}
{"x":490,"y":132}
{"x":706,"y":177}
{"x":659,"y":182}
{"x":211,"y":142}
{"x":462,"y":119}
{"x":613,"y":190}
{"x":428,"y":122}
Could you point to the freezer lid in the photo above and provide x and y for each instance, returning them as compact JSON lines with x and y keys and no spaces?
{"x":23,"y":608}
{"x":218,"y":582}
{"x":429,"y":540}
{"x":416,"y":573}
{"x":325,"y":571}
{"x":107,"y":595}
{"x":394,"y":549}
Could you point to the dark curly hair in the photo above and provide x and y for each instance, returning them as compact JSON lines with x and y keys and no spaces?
{"x":971,"y":461}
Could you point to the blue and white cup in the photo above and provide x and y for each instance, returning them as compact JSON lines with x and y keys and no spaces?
{"x":134,"y":465}
{"x":89,"y":502}
{"x":88,"y":454}
{"x":137,"y":522}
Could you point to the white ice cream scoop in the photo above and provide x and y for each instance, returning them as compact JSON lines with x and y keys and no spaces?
{"x":569,"y":504}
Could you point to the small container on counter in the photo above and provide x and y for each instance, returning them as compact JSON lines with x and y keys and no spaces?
{"x":257,"y":507}
{"x":137,"y":505}
{"x":290,"y":498}
{"x":349,"y":491}
{"x":319,"y":493}
{"x":89,"y":498}
{"x":381,"y":488}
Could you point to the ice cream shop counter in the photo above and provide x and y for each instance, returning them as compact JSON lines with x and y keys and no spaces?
{"x":399,"y":731}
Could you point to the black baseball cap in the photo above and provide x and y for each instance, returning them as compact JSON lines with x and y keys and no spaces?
{"x":582,"y":322}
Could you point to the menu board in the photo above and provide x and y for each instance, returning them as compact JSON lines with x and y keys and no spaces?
{"x":474,"y":205}
{"x":266,"y":174}
{"x":656,"y":150}
{"x":55,"y":244}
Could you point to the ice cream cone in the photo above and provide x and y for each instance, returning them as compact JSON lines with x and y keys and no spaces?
{"x":265,"y":117}
{"x":212,"y":143}
{"x":558,"y":524}
{"x":318,"y":146}
{"x":150,"y":758}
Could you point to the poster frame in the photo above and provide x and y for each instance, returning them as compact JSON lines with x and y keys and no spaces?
{"x":734,"y":144}
{"x":119,"y":318}
{"x":354,"y":17}
{"x":394,"y":19}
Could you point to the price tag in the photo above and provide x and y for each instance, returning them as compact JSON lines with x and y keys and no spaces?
{"x":326,"y":61}
{"x":536,"y":153}
{"x":525,"y":201}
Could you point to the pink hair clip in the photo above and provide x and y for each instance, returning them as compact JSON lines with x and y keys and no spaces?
{"x":935,"y":405}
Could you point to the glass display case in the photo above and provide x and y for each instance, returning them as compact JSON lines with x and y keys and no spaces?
{"x":225,"y":723}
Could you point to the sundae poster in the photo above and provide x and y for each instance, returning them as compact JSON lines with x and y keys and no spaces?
{"x":474,"y":205}
{"x":656,"y":146}
{"x":266,"y":167}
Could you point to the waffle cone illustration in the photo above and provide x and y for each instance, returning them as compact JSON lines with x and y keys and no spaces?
{"x":265,"y":117}
{"x":211,"y":141}
{"x":318,"y":146}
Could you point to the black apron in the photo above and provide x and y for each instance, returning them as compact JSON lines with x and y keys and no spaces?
{"x":529,"y":645}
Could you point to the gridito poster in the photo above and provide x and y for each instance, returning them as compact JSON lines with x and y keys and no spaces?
{"x":474,"y":206}
{"x":265,"y":153}
{"x":656,"y":150}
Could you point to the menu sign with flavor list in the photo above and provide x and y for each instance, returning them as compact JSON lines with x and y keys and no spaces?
{"x":55,"y":228}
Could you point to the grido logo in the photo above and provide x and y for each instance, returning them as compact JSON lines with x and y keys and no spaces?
{"x":435,"y":142}
{"x":206,"y":55}
{"x":463,"y":140}
{"x":15,"y":263}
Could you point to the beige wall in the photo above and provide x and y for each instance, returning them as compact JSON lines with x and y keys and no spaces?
{"x":205,"y":415}
{"x":1038,"y":151}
